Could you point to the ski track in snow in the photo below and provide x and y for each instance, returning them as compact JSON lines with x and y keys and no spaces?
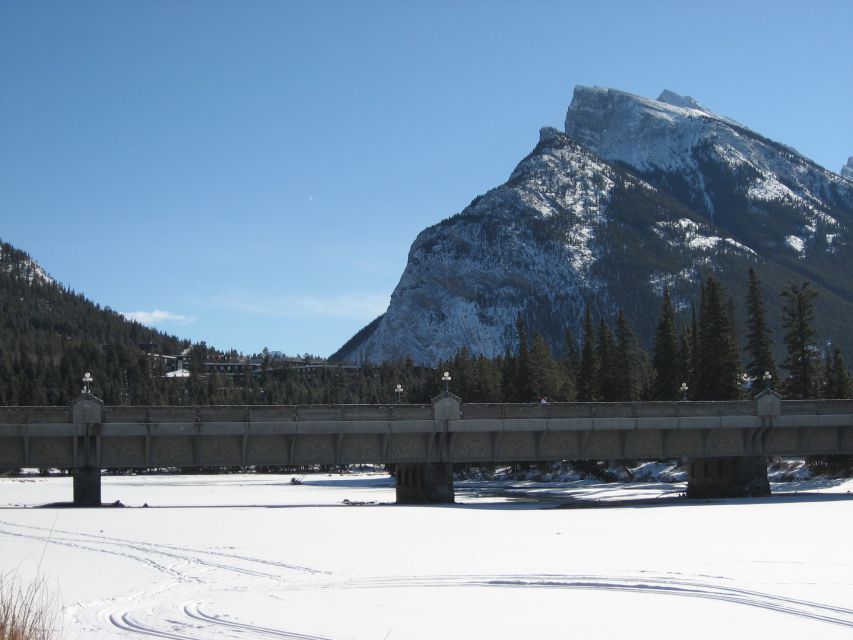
{"x":663,"y":585}
{"x":189,"y":622}
{"x":104,"y":544}
{"x":200,"y":622}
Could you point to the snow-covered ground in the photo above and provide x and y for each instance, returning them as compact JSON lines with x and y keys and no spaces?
{"x":254,"y":556}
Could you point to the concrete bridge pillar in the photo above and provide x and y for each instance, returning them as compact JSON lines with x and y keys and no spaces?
{"x":87,"y":487}
{"x":428,"y":483}
{"x":432,"y":482}
{"x":735,"y":477}
{"x":87,"y":414}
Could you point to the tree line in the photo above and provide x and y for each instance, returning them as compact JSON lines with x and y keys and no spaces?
{"x":50,"y":335}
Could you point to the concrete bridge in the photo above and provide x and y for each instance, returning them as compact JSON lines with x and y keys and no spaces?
{"x":727,"y":442}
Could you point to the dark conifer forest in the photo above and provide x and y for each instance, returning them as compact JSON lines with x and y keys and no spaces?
{"x":50,"y":336}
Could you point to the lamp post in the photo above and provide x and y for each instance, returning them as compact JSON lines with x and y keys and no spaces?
{"x":683,"y":389}
{"x":767,"y":379}
{"x":399,"y":391}
{"x":87,"y":379}
{"x":446,"y":378}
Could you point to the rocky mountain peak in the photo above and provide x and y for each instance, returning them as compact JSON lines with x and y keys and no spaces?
{"x":847,"y":169}
{"x":670,"y":97}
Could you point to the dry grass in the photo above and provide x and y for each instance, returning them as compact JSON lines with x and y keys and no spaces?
{"x":27,"y":612}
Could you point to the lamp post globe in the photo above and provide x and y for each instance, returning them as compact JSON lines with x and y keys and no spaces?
{"x":683,"y":389}
{"x":446,"y":378}
{"x":399,"y":391}
{"x":87,"y":380}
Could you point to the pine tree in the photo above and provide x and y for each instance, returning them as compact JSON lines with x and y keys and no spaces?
{"x":544,"y":374}
{"x":605,"y":355}
{"x":837,"y":378}
{"x":571,"y":367}
{"x":523,"y":385}
{"x":626,"y":361}
{"x":717,"y":370}
{"x":587,"y":373}
{"x":666,"y":360}
{"x":798,"y":322}
{"x":758,"y":346}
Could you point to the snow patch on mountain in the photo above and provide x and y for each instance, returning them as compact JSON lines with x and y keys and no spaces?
{"x":661,"y":281}
{"x":27,"y":268}
{"x":796,"y":243}
{"x":687,"y":233}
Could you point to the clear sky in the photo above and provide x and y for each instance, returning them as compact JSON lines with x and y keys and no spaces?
{"x":253,"y":173}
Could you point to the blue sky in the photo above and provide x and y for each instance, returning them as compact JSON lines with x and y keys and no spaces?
{"x":253,"y":173}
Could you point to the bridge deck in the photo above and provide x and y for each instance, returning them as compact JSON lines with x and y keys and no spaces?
{"x":90,"y":435}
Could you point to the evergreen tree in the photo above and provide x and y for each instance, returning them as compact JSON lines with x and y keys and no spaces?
{"x":626,"y":361}
{"x":717,"y":370}
{"x":544,"y":373}
{"x":508,"y":377}
{"x":571,"y":367}
{"x":605,"y":355}
{"x":837,"y":378}
{"x":798,"y":323}
{"x":758,"y":346}
{"x":587,"y":373}
{"x":668,"y":360}
{"x":523,"y":385}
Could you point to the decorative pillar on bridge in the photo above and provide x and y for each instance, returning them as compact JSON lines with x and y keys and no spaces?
{"x":737,"y":476}
{"x":431,"y":482}
{"x":87,"y":413}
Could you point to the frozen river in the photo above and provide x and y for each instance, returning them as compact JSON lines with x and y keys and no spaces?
{"x":254,"y":556}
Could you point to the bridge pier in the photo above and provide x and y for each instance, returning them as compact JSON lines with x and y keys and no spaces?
{"x":733,"y":477}
{"x":87,"y":487}
{"x":428,"y":483}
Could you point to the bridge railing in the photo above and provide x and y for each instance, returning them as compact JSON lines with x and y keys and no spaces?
{"x":819,"y":407}
{"x":263,"y":413}
{"x":22,"y":415}
{"x":509,"y":411}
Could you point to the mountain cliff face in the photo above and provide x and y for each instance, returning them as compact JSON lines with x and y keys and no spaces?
{"x":764,"y":192}
{"x":847,"y":169}
{"x":636,"y":195}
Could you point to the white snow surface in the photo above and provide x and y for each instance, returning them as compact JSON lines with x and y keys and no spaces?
{"x":252,"y":556}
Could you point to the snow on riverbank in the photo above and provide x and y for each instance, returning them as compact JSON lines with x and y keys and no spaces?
{"x":256,"y":556}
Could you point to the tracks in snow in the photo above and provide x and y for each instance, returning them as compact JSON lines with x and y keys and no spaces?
{"x":201,"y":625}
{"x":142,"y":552}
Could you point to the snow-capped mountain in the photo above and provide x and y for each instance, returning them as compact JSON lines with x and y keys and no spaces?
{"x":636,"y":195}
{"x":763,"y":191}
{"x":847,"y":169}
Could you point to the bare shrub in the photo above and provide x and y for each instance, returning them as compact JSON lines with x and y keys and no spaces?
{"x":27,"y":612}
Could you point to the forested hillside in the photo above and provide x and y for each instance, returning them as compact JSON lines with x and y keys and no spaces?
{"x":50,"y":335}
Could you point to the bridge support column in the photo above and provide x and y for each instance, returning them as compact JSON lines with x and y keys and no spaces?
{"x":87,"y":487}
{"x":429,"y":483}
{"x":739,"y":477}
